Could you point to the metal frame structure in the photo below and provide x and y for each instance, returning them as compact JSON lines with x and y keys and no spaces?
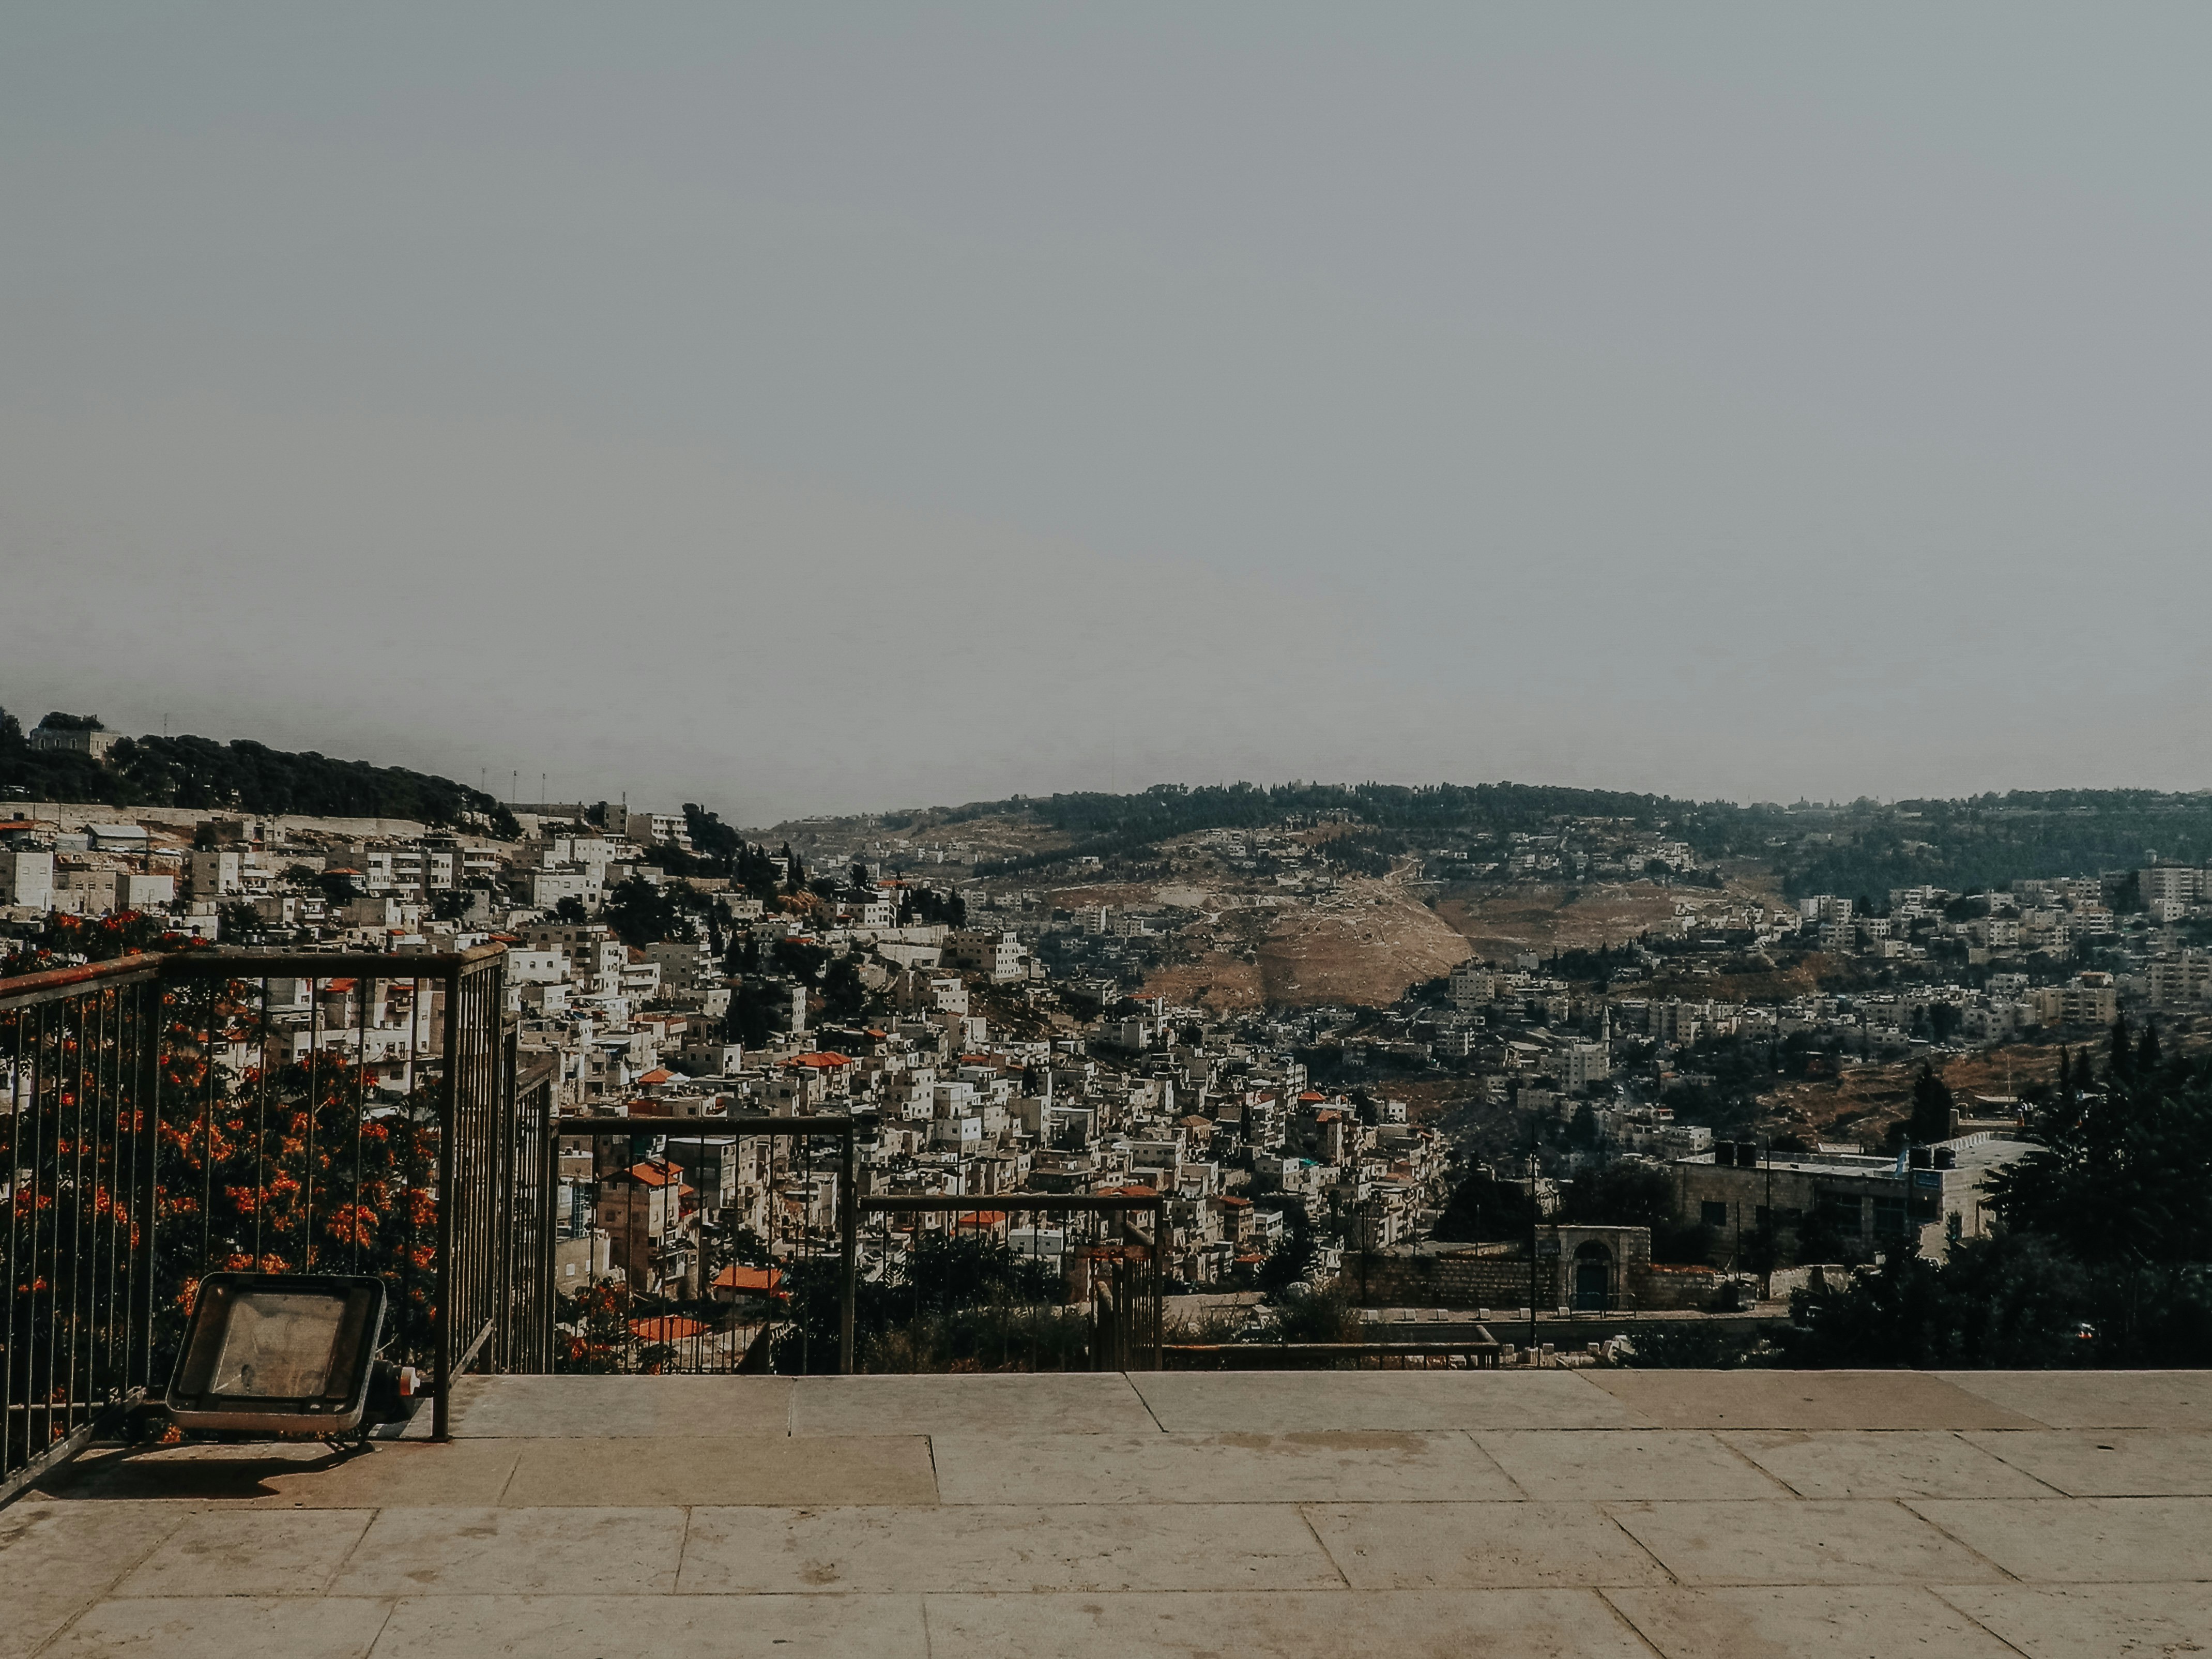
{"x":842,"y":1126}
{"x":1130,"y":1324}
{"x":111,"y":1068}
{"x":1138,"y":1311}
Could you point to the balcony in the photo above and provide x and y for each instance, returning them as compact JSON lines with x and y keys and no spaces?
{"x":158,"y":1121}
{"x":1531,"y":1511}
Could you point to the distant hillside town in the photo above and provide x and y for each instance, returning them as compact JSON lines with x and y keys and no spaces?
{"x":1421,"y":1041}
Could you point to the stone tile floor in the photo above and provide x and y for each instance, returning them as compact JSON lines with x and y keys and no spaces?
{"x":1535,"y":1512}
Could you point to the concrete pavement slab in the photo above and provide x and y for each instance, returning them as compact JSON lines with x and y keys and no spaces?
{"x":57,"y":1559}
{"x":1799,"y":1541}
{"x":2095,"y":1399}
{"x":225,"y":1627}
{"x":1802,"y":1621}
{"x":1071,"y":1403}
{"x":2132,"y":1621}
{"x":550,"y":1407}
{"x":1803,"y":1400}
{"x":1479,"y":1546}
{"x":1286,"y":1402}
{"x":1350,"y":1467}
{"x":807,"y":1470}
{"x":2109,"y":1463}
{"x":2085,"y":1541}
{"x":1856,"y":1463}
{"x":279,"y":1475}
{"x":240,"y":1552}
{"x":1588,"y":1463}
{"x":661,"y":1626}
{"x":1096,"y":1547}
{"x":1508,"y":1624}
{"x":495,"y":1552}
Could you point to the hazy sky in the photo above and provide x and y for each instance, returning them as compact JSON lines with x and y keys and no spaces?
{"x":803,"y":408}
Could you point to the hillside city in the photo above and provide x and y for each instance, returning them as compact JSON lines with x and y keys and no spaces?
{"x":1695,"y":1116}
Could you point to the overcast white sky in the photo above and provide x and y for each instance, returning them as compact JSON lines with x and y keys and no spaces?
{"x":805,"y":408}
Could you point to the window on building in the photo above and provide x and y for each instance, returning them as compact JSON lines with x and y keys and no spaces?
{"x":1713,"y":1214}
{"x":1889,"y":1216}
{"x":1840,"y":1210}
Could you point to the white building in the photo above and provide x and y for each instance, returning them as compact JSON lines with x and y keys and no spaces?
{"x":984,"y":950}
{"x":27,"y":876}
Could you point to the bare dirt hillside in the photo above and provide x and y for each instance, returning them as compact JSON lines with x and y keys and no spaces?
{"x":1861,"y":1104}
{"x":1500,"y":922}
{"x":1366,"y":943}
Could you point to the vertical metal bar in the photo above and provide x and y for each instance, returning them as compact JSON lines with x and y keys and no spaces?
{"x":207,"y":1134}
{"x":146,"y":1150}
{"x":48,"y":1082}
{"x":110,"y":1048}
{"x":16,"y":1114}
{"x":504,"y":1098}
{"x":848,"y":1241}
{"x":442,"y":1315}
{"x":363,"y":989}
{"x":314,"y":1106}
{"x":72,"y":1384}
{"x":549,"y":1180}
{"x":416,"y":1003}
{"x":261,"y":1131}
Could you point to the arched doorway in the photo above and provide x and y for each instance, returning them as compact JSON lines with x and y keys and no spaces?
{"x":1593,"y":1276}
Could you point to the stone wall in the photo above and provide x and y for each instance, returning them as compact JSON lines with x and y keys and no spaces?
{"x":1466,"y":1279}
{"x":1456,"y":1279}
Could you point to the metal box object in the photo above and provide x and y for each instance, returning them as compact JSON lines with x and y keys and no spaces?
{"x":278,"y":1354}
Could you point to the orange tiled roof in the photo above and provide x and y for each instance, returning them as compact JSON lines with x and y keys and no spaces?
{"x":666,"y":1327}
{"x":654,"y":1174}
{"x":758,"y":1281}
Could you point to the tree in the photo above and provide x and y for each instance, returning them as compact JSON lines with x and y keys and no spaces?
{"x":1628,"y":1194}
{"x":1582,"y":1133}
{"x":844,"y":997}
{"x":641,"y":913}
{"x":570,"y":911}
{"x":803,"y":961}
{"x":2016,"y":1301}
{"x":751,"y":1015}
{"x":929,"y":906}
{"x":1931,"y":1108}
{"x":1621,"y":1195}
{"x":710,"y":837}
{"x":1483,"y":1208}
{"x":1293,"y":1260}
{"x":2122,"y":1173}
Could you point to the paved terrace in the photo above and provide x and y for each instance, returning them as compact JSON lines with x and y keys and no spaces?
{"x":1544,"y":1512}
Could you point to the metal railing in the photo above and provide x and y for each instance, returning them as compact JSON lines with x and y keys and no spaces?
{"x":164,"y":1116}
{"x":623,"y":1331}
{"x":1112,"y":1274}
{"x":813,"y":1281}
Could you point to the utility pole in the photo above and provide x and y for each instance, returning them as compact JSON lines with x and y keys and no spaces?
{"x":1766,"y":1233}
